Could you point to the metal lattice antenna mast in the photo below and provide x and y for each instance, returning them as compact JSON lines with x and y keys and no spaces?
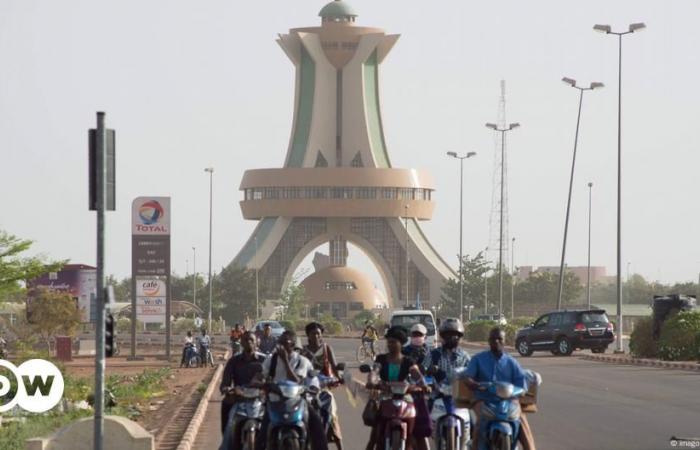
{"x":495,"y":216}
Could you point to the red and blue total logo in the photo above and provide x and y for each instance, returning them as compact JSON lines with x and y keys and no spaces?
{"x":151,"y":213}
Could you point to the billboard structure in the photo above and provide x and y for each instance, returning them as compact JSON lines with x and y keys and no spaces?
{"x":150,"y":262}
{"x":77,"y":280}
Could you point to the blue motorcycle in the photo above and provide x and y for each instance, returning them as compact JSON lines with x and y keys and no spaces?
{"x":288,"y":411}
{"x":499,"y":420}
{"x":248,"y":414}
{"x":452,"y":425}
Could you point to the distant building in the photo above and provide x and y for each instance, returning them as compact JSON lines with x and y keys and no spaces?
{"x":341,"y":291}
{"x":77,"y":280}
{"x":598,"y":273}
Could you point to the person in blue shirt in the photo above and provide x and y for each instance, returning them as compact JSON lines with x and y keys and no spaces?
{"x":497,"y":365}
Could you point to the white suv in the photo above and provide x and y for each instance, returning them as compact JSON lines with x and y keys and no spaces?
{"x":409,"y":317}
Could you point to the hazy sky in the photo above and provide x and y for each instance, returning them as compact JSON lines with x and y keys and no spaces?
{"x":192,"y":84}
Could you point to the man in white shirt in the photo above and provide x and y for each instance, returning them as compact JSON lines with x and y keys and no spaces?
{"x":287,"y":364}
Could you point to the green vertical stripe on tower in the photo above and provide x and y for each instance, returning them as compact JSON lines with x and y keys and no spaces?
{"x":374,"y":117}
{"x":305,"y":106}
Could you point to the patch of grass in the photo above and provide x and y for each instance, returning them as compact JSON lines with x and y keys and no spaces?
{"x":13,"y":435}
{"x":201,"y":388}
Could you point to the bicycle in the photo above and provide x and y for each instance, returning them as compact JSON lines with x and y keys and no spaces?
{"x":365,"y":350}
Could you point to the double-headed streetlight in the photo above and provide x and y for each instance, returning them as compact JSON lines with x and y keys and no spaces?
{"x":210,"y":171}
{"x":461,"y":216}
{"x":633,"y":28}
{"x":194,"y":276}
{"x":503,"y":131}
{"x":592,"y":86}
{"x":512,"y":279}
{"x":590,"y":210}
{"x":408,"y":257}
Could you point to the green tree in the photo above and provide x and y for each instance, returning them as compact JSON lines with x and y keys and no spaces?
{"x":181,"y":288}
{"x":292,"y":301}
{"x":52,"y":313}
{"x":122,"y":288}
{"x":474,"y":270}
{"x":233,"y":294}
{"x":541,"y":288}
{"x":16,"y":269}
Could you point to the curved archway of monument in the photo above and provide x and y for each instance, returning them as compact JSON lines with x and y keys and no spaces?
{"x":354,"y":243}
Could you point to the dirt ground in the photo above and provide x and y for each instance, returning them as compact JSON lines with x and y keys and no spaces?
{"x":180,"y":386}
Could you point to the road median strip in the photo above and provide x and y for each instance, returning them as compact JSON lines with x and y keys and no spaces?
{"x":192,"y":430}
{"x":688,"y":365}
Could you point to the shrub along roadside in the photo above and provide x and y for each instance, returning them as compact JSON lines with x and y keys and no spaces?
{"x":679,"y":339}
{"x":642,"y":343}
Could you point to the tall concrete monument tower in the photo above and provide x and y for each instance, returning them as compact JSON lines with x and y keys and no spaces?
{"x":337,"y":184}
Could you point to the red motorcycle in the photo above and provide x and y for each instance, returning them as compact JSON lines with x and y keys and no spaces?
{"x":396,"y":414}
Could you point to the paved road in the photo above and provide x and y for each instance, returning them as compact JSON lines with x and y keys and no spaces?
{"x":583,"y":405}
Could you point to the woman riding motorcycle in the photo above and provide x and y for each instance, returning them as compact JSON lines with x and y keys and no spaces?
{"x":323,"y":359}
{"x":394,"y":366}
{"x":417,"y":350}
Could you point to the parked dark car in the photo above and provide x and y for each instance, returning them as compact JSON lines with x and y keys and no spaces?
{"x":562,"y":332}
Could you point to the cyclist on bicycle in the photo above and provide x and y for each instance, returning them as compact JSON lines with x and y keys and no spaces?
{"x":370,"y":335}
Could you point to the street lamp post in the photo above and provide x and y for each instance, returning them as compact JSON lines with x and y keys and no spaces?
{"x":512,"y":279}
{"x":257,"y":286}
{"x":210,"y":171}
{"x":503,"y":131}
{"x":486,"y":287}
{"x":588,"y":282}
{"x":194,"y":276}
{"x":461,"y":217}
{"x":608,"y":30}
{"x":405,"y":207}
{"x":592,"y":86}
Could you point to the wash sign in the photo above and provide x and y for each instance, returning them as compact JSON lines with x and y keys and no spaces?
{"x":36,"y":385}
{"x":151,"y":297}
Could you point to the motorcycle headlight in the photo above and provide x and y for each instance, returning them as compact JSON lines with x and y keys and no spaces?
{"x":290,"y":391}
{"x":514,"y":411}
{"x":504,"y":391}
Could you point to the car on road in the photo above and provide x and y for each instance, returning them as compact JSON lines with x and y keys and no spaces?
{"x":499,"y":319}
{"x":562,"y":332}
{"x":277,"y":328}
{"x":406,"y":318}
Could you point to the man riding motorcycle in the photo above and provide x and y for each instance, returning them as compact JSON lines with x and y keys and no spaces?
{"x":235,"y":338}
{"x":240,"y":371}
{"x":443,"y":361}
{"x":323,"y":359}
{"x":266,"y":342}
{"x":287,"y":364}
{"x":204,"y":349}
{"x":497,"y":365}
{"x":187,"y":349}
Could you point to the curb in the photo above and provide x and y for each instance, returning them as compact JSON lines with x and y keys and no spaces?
{"x":192,"y":430}
{"x":695,"y":367}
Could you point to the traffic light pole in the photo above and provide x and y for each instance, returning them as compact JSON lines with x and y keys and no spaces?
{"x":101,"y":196}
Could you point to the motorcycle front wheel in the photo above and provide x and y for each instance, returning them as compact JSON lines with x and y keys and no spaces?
{"x":397,"y":442}
{"x":450,"y":439}
{"x":500,"y":441}
{"x":249,"y":440}
{"x":290,"y":444}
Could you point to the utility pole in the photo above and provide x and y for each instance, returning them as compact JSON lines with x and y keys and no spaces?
{"x":407,"y":250}
{"x":210,"y":170}
{"x":102,"y":198}
{"x":194,"y":276}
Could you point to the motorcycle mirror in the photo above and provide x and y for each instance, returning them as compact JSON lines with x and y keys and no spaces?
{"x":365,"y":368}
